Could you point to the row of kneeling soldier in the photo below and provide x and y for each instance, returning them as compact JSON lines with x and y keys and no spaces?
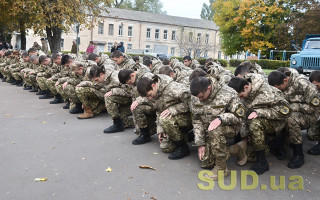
{"x":246,"y":114}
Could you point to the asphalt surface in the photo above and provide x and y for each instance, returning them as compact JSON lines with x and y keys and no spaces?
{"x":39,"y":140}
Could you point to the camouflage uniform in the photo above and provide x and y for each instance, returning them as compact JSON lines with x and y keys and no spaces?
{"x":216,"y":70}
{"x":194,"y":64}
{"x":314,"y":131}
{"x":31,"y":78}
{"x":182,"y":73}
{"x":45,"y":48}
{"x":42,"y":75}
{"x":222,"y":102}
{"x":257,"y":69}
{"x":156,"y":65}
{"x":126,"y":64}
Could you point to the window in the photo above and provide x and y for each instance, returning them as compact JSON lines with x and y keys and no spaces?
{"x":129,"y":46}
{"x":205,"y":54}
{"x":110,"y":44}
{"x":156,"y":35}
{"x":199,"y":37}
{"x":172,"y":51}
{"x":148,"y":46}
{"x":100,"y":27}
{"x":219,"y":54}
{"x":207,"y":39}
{"x":120,"y":30}
{"x":111,"y":29}
{"x":62,"y":43}
{"x":148,"y":32}
{"x":165,"y":34}
{"x":190,"y":36}
{"x":130,"y":31}
{"x":173,"y":36}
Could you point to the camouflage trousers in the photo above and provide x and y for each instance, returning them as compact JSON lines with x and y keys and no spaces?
{"x":119,"y":106}
{"x":299,"y":121}
{"x":69,"y":92}
{"x":62,"y":92}
{"x":42,"y":82}
{"x":51,"y":86}
{"x":175,"y":128}
{"x":207,"y":161}
{"x":16,"y":74}
{"x":89,"y":99}
{"x":314,"y":132}
{"x":31,"y":80}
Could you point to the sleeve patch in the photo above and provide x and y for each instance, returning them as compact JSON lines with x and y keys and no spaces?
{"x":284,"y":110}
{"x":315,"y":101}
{"x":240,"y":111}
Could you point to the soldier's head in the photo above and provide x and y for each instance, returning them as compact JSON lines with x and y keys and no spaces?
{"x":34,"y":59}
{"x":77,"y":67}
{"x":32,"y":51}
{"x":166,"y":62}
{"x":127,"y":76}
{"x":209,"y":60}
{"x":43,"y":40}
{"x":248,"y":64}
{"x":25,"y":56}
{"x":241,"y":71}
{"x":187,"y":61}
{"x":278,"y":80}
{"x":66,"y":61}
{"x":146,"y":58}
{"x":167,"y":70}
{"x":97,"y":74}
{"x":44,"y":60}
{"x":148,"y":63}
{"x":315,"y":78}
{"x":8,"y":54}
{"x":117,"y":57}
{"x":201,"y":88}
{"x":136,"y":59}
{"x":94,"y":57}
{"x":147,"y":87}
{"x":197,"y":72}
{"x":16,"y":53}
{"x":241,"y":85}
{"x":56,"y":58}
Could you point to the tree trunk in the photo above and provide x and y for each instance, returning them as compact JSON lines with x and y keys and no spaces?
{"x":2,"y":36}
{"x":23,"y":36}
{"x":54,"y":38}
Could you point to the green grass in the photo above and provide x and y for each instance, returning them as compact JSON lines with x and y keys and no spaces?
{"x":267,"y":71}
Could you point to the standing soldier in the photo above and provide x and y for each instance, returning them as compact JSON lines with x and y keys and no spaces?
{"x":44,"y":47}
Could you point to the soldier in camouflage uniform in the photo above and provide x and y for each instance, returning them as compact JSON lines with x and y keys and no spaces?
{"x":30,"y":73}
{"x":187,"y":61}
{"x":253,"y":68}
{"x":44,"y":47}
{"x":304,"y":100}
{"x":105,"y":62}
{"x":171,"y":100}
{"x":122,"y":60}
{"x":217,"y":115}
{"x":179,"y":74}
{"x":42,"y":74}
{"x":267,"y":113}
{"x":216,"y":70}
{"x":154,"y":65}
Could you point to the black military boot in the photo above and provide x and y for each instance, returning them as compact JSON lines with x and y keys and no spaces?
{"x":298,"y":158}
{"x":41,"y":92}
{"x":116,"y":127}
{"x":261,"y":164}
{"x":13,"y":82}
{"x":27,"y":88}
{"x":277,"y":146}
{"x":34,"y":89}
{"x":77,"y":109}
{"x":315,"y":150}
{"x":57,"y":99}
{"x":19,"y":83}
{"x":46,"y":95}
{"x":143,"y":138}
{"x":181,"y":150}
{"x":67,"y":106}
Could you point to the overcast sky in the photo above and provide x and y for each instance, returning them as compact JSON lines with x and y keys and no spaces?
{"x":184,"y":8}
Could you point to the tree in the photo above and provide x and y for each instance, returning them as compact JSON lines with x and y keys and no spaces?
{"x":153,"y":6}
{"x":207,"y":11}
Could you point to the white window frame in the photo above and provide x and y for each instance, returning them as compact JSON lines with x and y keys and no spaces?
{"x":157,"y":34}
{"x":112,"y":30}
{"x":207,"y":38}
{"x":120,"y":30}
{"x":199,"y":37}
{"x":173,"y":35}
{"x":129,"y":46}
{"x":165,"y":34}
{"x":100,"y":27}
{"x":130,"y":31}
{"x":173,"y":51}
{"x":110,"y":45}
{"x":148,"y":33}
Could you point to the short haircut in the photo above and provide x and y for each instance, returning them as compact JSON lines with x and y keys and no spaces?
{"x":16,"y":52}
{"x":31,"y":50}
{"x":116,"y":54}
{"x":65,"y":59}
{"x":144,"y":85}
{"x":248,"y":64}
{"x":238,"y":84}
{"x":166,"y":69}
{"x":209,"y":60}
{"x":187,"y":58}
{"x":55,"y":56}
{"x":241,"y":70}
{"x":95,"y":71}
{"x":146,"y":58}
{"x":197,"y":72}
{"x":93,"y":56}
{"x":124,"y":75}
{"x":147,"y":62}
{"x":136,"y":58}
{"x":283,"y":69}
{"x":203,"y":67}
{"x":199,"y":85}
{"x":42,"y":39}
{"x":276,"y":78}
{"x":76,"y":65}
{"x":8,"y":53}
{"x":315,"y":76}
{"x":24,"y":55}
{"x":166,"y":62}
{"x":33,"y":57}
{"x":42,"y":58}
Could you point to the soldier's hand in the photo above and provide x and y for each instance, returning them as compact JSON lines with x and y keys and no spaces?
{"x":253,"y":115}
{"x":108,"y":94}
{"x":166,"y":113}
{"x":25,"y":74}
{"x":214,"y":124}
{"x":64,"y":85}
{"x":134,"y":105}
{"x":57,"y":83}
{"x":201,"y":150}
{"x":37,"y":78}
{"x":30,"y":73}
{"x":49,"y":79}
{"x":161,"y":136}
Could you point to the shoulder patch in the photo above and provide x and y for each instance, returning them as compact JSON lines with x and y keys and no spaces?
{"x":240,"y":111}
{"x":315,"y":101}
{"x":284,"y":110}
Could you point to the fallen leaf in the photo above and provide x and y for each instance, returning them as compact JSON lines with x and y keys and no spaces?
{"x":130,"y":177}
{"x":83,"y":158}
{"x":147,"y":167}
{"x":153,"y":197}
{"x":7,"y":115}
{"x":44,"y":122}
{"x":155,"y":153}
{"x":146,"y":193}
{"x":13,"y":142}
{"x":40,"y":179}
{"x":108,"y":169}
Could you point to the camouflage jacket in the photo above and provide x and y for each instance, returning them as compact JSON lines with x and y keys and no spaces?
{"x":45,"y":48}
{"x":156,"y":65}
{"x":126,"y":64}
{"x":182,"y":74}
{"x":62,"y":75}
{"x":216,"y":70}
{"x":223,"y":102}
{"x":257,"y":69}
{"x":106,"y":63}
{"x":302,"y":95}
{"x":111,"y":83}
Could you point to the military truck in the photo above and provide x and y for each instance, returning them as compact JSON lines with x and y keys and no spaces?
{"x":308,"y":57}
